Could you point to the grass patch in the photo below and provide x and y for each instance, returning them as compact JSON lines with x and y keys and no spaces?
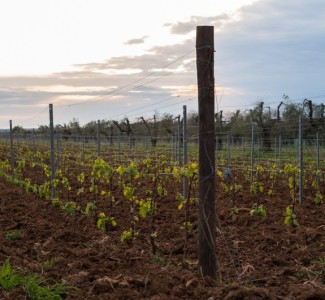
{"x":12,"y":235}
{"x":9,"y":278}
{"x":316,"y":271}
{"x":35,"y":287}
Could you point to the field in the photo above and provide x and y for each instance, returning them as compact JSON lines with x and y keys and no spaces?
{"x":120,"y":228}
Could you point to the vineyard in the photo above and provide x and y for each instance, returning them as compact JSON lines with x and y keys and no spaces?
{"x":205,"y":209}
{"x":119,"y":226}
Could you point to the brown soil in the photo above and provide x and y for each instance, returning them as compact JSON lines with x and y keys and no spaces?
{"x":257,"y":258}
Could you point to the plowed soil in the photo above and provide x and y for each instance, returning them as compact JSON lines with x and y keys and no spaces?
{"x":258,"y":258}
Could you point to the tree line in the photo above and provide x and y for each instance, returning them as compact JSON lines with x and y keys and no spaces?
{"x":268,"y":123}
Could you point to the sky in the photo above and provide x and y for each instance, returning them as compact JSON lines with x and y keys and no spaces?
{"x":107,"y":60}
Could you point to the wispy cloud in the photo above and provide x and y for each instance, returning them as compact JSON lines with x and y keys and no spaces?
{"x":189,"y":26}
{"x":136,"y":41}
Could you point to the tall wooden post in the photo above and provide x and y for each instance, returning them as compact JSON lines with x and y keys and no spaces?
{"x":207,"y":195}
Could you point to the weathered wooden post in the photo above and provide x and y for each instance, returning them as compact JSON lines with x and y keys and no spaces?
{"x":207,"y":195}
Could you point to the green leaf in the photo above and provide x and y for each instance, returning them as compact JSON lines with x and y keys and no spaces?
{"x":8,"y":277}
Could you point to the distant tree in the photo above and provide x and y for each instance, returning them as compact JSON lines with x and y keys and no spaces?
{"x":151,"y":131}
{"x":219,"y":129}
{"x":125,"y":127}
{"x":289,"y":124}
{"x":75,"y":127}
{"x":238,"y":126}
{"x":62,"y":130}
{"x":265,"y":124}
{"x":319,"y":117}
{"x":43,"y":129}
{"x":167,"y":122}
{"x":18,"y":130}
{"x":192,"y":122}
{"x":90,"y":128}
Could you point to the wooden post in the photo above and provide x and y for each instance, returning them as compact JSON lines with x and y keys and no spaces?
{"x":207,"y":195}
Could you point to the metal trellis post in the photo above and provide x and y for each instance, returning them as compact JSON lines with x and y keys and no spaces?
{"x":12,"y":158}
{"x":53,"y":192}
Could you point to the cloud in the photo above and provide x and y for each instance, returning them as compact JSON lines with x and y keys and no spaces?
{"x":136,"y":41}
{"x":190,"y":25}
{"x":266,"y":49}
{"x":158,"y":60}
{"x":155,"y":58}
{"x":276,"y":47}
